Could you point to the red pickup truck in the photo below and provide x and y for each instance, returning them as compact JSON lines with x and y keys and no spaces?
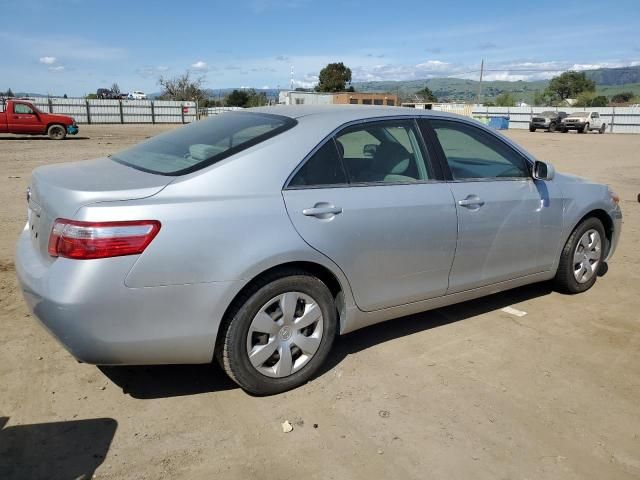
{"x":22,"y":117}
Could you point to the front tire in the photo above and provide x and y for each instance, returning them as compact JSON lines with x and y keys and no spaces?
{"x":278,"y":334}
{"x":532,"y":129}
{"x":581,"y":257}
{"x":57,"y":132}
{"x":585,"y":129}
{"x":552,"y":127}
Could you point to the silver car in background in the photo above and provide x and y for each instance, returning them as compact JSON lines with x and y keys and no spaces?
{"x":256,"y":237}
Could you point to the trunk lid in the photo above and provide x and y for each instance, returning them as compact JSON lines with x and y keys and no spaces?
{"x":58,"y":191}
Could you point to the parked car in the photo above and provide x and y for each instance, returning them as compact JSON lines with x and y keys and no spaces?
{"x":137,"y":95}
{"x":256,"y":236}
{"x":549,"y":121}
{"x":584,"y":122}
{"x":24,"y":118}
{"x":106,"y":94}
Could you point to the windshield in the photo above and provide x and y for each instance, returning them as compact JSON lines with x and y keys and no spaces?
{"x":203,"y":143}
{"x":548,"y":114}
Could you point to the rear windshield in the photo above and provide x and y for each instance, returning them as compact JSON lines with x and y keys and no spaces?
{"x":203,"y":143}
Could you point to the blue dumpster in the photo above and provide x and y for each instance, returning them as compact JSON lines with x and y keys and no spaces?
{"x":499,"y":123}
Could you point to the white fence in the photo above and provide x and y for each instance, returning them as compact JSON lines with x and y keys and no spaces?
{"x":208,"y":112}
{"x":118,"y":111}
{"x":617,"y":119}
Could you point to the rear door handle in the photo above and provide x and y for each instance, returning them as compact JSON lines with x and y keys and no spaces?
{"x":472,"y":201}
{"x":322,"y":211}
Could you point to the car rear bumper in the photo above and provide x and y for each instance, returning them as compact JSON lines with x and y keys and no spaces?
{"x":86,"y":306}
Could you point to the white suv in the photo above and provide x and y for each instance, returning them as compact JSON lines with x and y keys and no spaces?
{"x":583,"y":122}
{"x":137,"y":95}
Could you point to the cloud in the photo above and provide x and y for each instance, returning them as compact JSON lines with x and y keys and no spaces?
{"x":48,"y":60}
{"x":433,"y":49}
{"x":283,"y":58}
{"x":57,"y":69}
{"x":200,"y":66}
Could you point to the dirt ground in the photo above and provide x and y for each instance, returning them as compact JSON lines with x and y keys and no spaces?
{"x":465,"y":392}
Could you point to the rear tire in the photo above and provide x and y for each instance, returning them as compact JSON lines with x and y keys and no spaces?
{"x":247,"y":329}
{"x":57,"y":132}
{"x":552,"y":127}
{"x":603,"y":128}
{"x":581,"y":257}
{"x":532,"y":129}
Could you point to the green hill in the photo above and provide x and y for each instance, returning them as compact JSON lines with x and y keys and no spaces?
{"x":609,"y":81}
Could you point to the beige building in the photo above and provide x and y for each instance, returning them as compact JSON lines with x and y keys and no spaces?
{"x":365,"y":98}
{"x":341,"y":98}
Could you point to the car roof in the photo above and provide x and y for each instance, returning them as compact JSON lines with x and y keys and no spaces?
{"x":346,"y":113}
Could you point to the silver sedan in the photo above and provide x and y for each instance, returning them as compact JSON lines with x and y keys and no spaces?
{"x":256,"y":237}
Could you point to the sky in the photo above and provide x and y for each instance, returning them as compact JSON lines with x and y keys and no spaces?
{"x":78,"y":46}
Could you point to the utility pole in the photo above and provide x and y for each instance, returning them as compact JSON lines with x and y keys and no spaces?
{"x":480,"y":83}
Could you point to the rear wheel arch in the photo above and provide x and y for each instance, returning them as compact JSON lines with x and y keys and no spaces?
{"x":322,"y":273}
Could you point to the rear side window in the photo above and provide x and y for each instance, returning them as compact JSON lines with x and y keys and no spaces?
{"x":323,"y":168}
{"x":203,"y":143}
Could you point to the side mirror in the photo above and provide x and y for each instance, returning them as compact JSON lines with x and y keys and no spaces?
{"x":543,"y":171}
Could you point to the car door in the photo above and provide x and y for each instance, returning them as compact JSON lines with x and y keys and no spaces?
{"x":370,"y":200}
{"x":508,"y":224}
{"x":596,"y":121}
{"x":24,"y":119}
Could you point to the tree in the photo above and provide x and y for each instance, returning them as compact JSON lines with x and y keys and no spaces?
{"x":9,"y":94}
{"x":334,"y":78}
{"x":91,"y":96}
{"x":622,"y":97}
{"x":543,"y":99}
{"x":115,"y":90}
{"x":588,"y":99}
{"x":505,"y":100}
{"x":182,"y":88}
{"x":570,"y":84}
{"x":65,"y":96}
{"x":427,"y":95}
{"x":257,"y":99}
{"x":237,"y":98}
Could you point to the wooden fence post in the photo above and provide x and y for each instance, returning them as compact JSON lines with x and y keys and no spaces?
{"x":121,"y":113}
{"x":88,"y":111}
{"x":153,"y":113}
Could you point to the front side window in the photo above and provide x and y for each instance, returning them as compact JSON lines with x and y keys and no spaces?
{"x":22,"y":108}
{"x":203,"y":143}
{"x":472,"y":153}
{"x":323,"y":168}
{"x":382,"y":152}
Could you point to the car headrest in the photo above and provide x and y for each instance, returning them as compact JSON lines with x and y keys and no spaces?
{"x":201,"y":151}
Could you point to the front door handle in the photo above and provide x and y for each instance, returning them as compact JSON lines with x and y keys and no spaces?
{"x":472,"y":202}
{"x":322,"y":210}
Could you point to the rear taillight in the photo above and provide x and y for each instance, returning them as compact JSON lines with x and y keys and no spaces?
{"x":87,"y":240}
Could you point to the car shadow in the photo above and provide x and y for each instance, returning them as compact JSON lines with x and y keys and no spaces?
{"x":162,"y":381}
{"x":57,"y":450}
{"x":29,"y":137}
{"x":148,"y":382}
